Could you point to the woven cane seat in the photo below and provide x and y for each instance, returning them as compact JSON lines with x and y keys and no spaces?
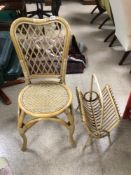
{"x":45,"y":99}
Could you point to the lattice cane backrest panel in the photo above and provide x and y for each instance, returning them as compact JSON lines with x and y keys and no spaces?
{"x":42,"y":45}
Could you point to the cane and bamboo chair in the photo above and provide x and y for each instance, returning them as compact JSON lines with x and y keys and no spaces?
{"x":42,"y":46}
{"x":99,"y":112}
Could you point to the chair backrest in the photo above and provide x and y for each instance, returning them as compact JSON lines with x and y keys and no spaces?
{"x":42,"y":46}
{"x":121,"y":10}
{"x":98,"y":109}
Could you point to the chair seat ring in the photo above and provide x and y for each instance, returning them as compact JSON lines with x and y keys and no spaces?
{"x":44,"y":99}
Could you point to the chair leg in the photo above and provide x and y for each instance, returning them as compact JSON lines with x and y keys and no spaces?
{"x":113,"y":40}
{"x":94,"y":9}
{"x":5,"y":98}
{"x":124,"y":57}
{"x":101,"y":25}
{"x":13,"y":82}
{"x":77,"y":108}
{"x":88,"y":143}
{"x":95,"y":17}
{"x":21,"y":128}
{"x":112,"y":33}
{"x":109,"y":138}
{"x":24,"y":146}
{"x":69,"y":113}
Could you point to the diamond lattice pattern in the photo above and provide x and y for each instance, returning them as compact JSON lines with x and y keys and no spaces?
{"x":42,"y":47}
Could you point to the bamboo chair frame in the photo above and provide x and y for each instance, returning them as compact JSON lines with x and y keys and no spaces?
{"x":99,"y":114}
{"x":50,"y":29}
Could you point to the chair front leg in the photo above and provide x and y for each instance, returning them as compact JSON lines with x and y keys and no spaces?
{"x":95,"y":17}
{"x":69,"y":113}
{"x":109,"y":137}
{"x":88,"y":142}
{"x":110,"y":35}
{"x":24,"y":126}
{"x":113,"y":40}
{"x":94,"y":9}
{"x":101,"y":25}
{"x":124,"y":57}
{"x":21,"y":129}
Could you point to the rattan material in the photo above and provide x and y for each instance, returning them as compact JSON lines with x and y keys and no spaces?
{"x":99,"y":111}
{"x":111,"y":116}
{"x":42,"y":47}
{"x":44,"y":99}
{"x":39,"y":45}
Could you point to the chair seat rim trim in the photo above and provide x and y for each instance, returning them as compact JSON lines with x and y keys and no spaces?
{"x":50,"y":114}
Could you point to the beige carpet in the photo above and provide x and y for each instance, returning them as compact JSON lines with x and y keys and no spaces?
{"x":4,"y":167}
{"x":49,"y":152}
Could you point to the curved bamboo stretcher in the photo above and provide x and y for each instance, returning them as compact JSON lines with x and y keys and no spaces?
{"x":42,"y":47}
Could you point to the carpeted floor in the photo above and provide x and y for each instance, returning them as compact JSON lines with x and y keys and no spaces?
{"x":49,"y":152}
{"x":4,"y":167}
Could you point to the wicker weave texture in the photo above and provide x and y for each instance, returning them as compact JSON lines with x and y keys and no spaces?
{"x":42,"y":45}
{"x":44,"y":98}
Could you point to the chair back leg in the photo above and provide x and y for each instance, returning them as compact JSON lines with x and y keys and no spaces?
{"x":124,"y":57}
{"x":101,"y":25}
{"x":95,"y":17}
{"x":113,"y":40}
{"x":5,"y":98}
{"x":94,"y":9}
{"x":110,"y":35}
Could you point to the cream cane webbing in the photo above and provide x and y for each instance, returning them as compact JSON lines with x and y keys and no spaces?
{"x":44,"y":98}
{"x":43,"y":45}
